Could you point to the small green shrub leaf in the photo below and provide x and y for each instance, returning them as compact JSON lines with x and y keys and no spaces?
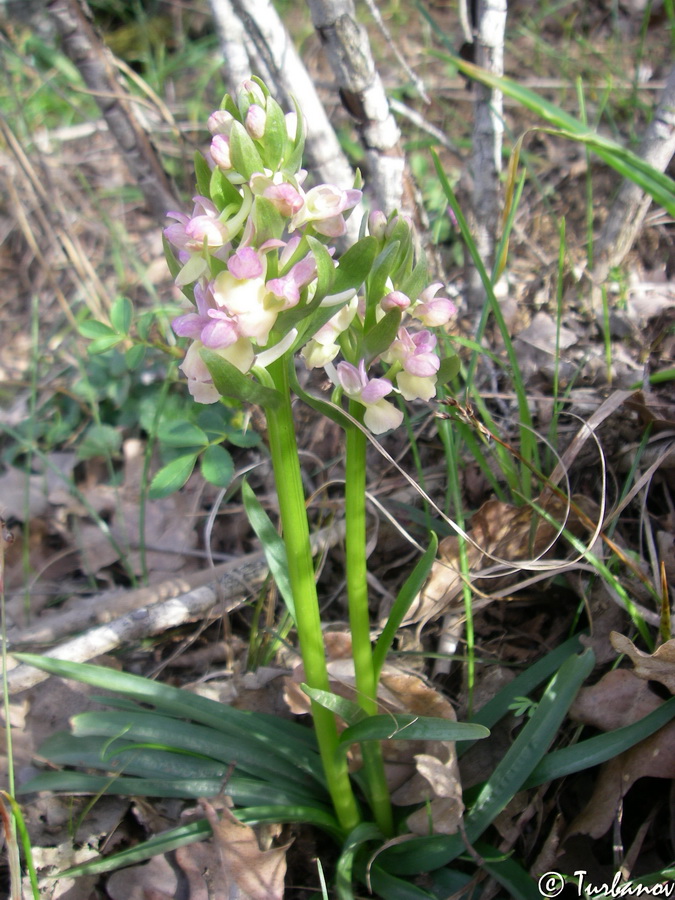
{"x":99,"y":440}
{"x":103,"y":344}
{"x":181,"y":433}
{"x":449,"y":368}
{"x":134,"y":356}
{"x":92,"y":329}
{"x":172,"y":476}
{"x":121,"y":314}
{"x":217,"y":466}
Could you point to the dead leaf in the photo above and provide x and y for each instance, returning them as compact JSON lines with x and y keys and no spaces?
{"x":500,"y":530}
{"x":256,"y":874}
{"x":660,"y":666}
{"x":654,"y":757}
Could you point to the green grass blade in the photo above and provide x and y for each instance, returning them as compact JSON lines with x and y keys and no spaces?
{"x":659,"y":186}
{"x":411,"y":587}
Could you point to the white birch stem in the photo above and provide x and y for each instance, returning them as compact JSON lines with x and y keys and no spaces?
{"x":488,"y":130}
{"x":350,"y":57}
{"x":630,"y":207}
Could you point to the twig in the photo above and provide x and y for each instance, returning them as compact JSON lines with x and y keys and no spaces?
{"x":233,"y":579}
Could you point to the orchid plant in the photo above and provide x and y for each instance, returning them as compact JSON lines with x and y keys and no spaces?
{"x":255,"y":258}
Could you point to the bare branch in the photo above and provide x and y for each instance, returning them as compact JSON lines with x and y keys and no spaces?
{"x":84,"y":47}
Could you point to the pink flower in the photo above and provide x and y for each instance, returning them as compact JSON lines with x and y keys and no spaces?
{"x":245,"y":263}
{"x":248,"y":302}
{"x":287,"y":287}
{"x":323,"y":207}
{"x":189,"y":232}
{"x":433,"y":311}
{"x":380,"y":415}
{"x":416,"y":353}
{"x":200,"y":383}
{"x":210,"y":325}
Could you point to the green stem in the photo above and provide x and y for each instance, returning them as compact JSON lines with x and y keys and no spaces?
{"x":359,"y":614}
{"x":284,"y":451}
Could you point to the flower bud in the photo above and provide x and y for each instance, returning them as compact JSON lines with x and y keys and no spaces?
{"x":249,"y":93}
{"x":395,"y":300}
{"x":220,"y":151}
{"x":220,"y":122}
{"x":377,"y":224}
{"x":255,"y":121}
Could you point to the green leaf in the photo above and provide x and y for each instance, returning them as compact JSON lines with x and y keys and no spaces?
{"x":198,"y":831}
{"x":269,"y":223}
{"x":245,"y":751}
{"x":275,"y":136}
{"x":449,"y":368}
{"x":381,"y":271}
{"x":507,"y":778}
{"x":409,"y":590}
{"x":217,"y":466}
{"x":526,"y":682}
{"x":181,"y":433}
{"x":598,"y":749}
{"x":103,"y":344}
{"x":134,"y":356}
{"x":230,"y":382}
{"x":409,"y":727}
{"x":355,"y":265}
{"x":362,"y":834}
{"x":325,"y":269}
{"x":99,"y":440}
{"x":349,"y":711}
{"x":202,"y":175}
{"x":91,"y":329}
{"x":273,"y":546}
{"x":172,"y":476}
{"x":222,"y":191}
{"x":290,"y":742}
{"x":244,"y":153}
{"x":381,"y":335}
{"x":121,"y":314}
{"x":414,"y":284}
